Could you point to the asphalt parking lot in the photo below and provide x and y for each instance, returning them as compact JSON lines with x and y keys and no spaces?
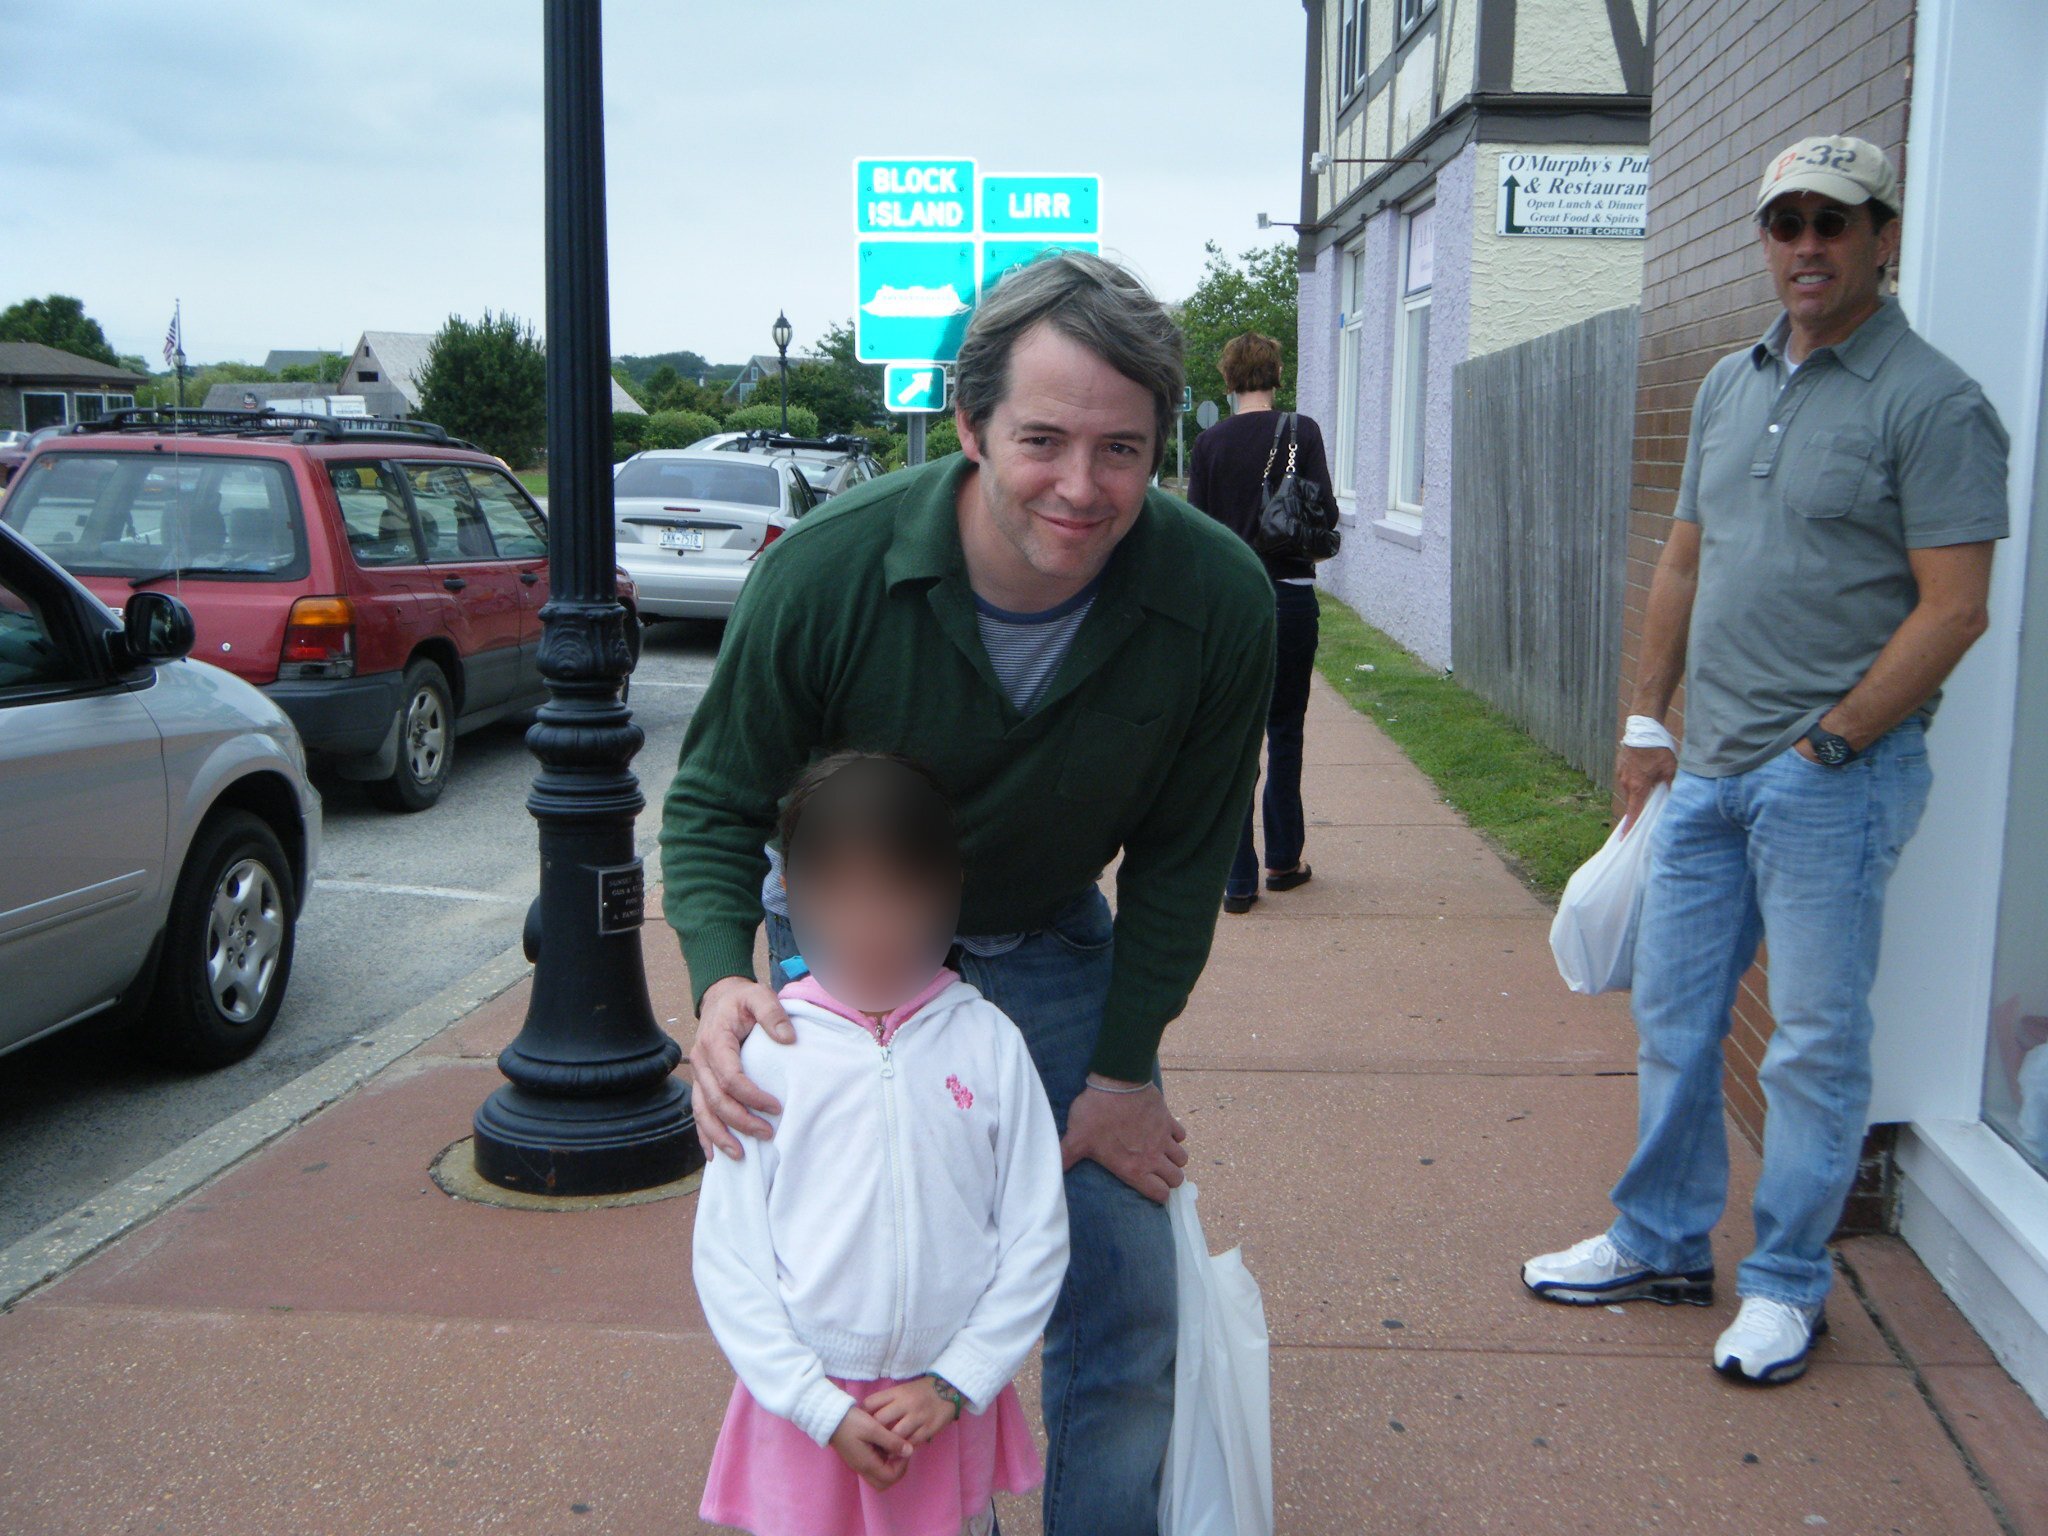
{"x":402,"y":907}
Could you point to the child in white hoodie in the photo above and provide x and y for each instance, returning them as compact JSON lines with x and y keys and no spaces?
{"x":879,"y":1269}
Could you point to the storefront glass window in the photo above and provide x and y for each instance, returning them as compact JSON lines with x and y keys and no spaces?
{"x":2016,"y":1062}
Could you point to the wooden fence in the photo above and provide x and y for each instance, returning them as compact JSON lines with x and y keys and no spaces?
{"x":1542,"y":441}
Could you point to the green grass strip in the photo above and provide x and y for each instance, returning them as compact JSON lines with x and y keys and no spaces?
{"x":1543,"y":815}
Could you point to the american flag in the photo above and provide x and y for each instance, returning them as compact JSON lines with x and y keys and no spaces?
{"x":171,"y":341}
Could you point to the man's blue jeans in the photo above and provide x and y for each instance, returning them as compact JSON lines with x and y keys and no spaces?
{"x":1796,"y":855}
{"x":1109,"y":1348}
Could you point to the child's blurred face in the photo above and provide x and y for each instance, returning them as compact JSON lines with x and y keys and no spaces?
{"x":872,"y":932}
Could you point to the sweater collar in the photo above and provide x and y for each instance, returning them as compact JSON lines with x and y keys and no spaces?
{"x":808,"y":989}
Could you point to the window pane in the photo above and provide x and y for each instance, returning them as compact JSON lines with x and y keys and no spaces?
{"x":131,"y":514}
{"x":1421,"y":249}
{"x":1347,"y":411}
{"x":373,"y":513}
{"x":750,"y":485}
{"x":30,"y":656}
{"x":1415,"y":395}
{"x":41,"y":409}
{"x":450,"y":520}
{"x":516,"y":528}
{"x":86,"y":407}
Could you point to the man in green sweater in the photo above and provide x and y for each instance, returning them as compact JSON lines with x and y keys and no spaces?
{"x":1084,"y":662}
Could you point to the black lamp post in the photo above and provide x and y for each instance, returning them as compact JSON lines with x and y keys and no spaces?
{"x":593,"y":1106}
{"x":782,"y":334}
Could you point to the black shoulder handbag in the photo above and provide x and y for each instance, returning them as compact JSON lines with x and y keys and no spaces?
{"x":1295,"y":519}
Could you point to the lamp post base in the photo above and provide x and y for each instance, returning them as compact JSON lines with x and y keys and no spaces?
{"x":596,"y":1147}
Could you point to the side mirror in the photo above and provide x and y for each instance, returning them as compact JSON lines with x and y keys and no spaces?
{"x":155,"y":627}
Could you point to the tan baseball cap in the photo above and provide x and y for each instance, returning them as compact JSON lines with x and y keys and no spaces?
{"x":1850,"y":171}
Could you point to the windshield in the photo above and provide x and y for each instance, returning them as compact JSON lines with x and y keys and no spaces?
{"x":749,"y":485}
{"x":149,"y":514}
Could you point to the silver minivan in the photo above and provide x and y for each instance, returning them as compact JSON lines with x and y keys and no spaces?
{"x":158,"y":833}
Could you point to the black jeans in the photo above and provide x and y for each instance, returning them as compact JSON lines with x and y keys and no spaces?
{"x":1294,"y":662}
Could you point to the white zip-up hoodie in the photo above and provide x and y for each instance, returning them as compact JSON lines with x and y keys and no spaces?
{"x":909,"y":1215}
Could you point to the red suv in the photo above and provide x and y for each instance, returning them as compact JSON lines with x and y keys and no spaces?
{"x":379,"y":579}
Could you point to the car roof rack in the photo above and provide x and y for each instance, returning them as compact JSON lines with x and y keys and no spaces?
{"x":295,"y":426}
{"x":837,"y":442}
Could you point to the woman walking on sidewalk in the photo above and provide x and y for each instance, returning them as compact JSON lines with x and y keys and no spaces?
{"x":878,"y":1271}
{"x":1234,"y":467}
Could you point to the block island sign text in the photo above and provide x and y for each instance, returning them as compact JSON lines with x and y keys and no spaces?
{"x":914,"y":197}
{"x":1598,"y":195}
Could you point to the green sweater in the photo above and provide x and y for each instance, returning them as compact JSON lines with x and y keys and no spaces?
{"x":858,"y":631}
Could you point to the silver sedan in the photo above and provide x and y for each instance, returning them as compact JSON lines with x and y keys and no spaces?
{"x":693,"y":521}
{"x":160,"y":832}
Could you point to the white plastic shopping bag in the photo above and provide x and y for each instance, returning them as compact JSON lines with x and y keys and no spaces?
{"x":1593,"y":935}
{"x":1219,"y":1460}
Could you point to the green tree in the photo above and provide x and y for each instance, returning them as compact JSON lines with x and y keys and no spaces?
{"x":753,"y":417}
{"x":487,"y":381}
{"x":58,"y":321}
{"x":162,"y":389}
{"x":1254,"y":293}
{"x":676,"y":429}
{"x":327,"y":371}
{"x":661,"y":383}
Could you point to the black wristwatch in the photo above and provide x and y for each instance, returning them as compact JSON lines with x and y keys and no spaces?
{"x":1833,"y":751}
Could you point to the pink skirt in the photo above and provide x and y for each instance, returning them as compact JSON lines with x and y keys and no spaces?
{"x":768,"y":1477}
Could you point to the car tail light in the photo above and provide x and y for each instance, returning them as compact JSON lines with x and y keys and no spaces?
{"x":319,"y":639}
{"x":774,"y":532}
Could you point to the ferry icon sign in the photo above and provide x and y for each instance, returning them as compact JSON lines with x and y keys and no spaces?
{"x":915,"y":298}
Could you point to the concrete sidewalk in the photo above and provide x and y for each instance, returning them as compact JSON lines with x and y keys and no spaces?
{"x":1391,"y":1100}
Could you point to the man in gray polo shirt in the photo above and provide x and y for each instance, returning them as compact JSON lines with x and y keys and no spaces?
{"x":1844,"y":483}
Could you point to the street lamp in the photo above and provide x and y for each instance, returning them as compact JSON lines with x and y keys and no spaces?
{"x":782,"y":333}
{"x":592,"y":1106}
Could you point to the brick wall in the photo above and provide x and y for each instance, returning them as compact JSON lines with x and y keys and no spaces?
{"x":1735,"y":80}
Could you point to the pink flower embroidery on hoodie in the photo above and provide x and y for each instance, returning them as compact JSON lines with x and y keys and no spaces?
{"x":962,"y":1094}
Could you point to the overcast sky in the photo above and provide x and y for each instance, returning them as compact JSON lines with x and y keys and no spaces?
{"x":298,"y":173}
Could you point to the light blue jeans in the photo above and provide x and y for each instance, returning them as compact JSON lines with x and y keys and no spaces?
{"x":1110,"y":1346}
{"x":1798,"y":856}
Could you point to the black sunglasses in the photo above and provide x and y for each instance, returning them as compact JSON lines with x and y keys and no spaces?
{"x":1788,"y":224}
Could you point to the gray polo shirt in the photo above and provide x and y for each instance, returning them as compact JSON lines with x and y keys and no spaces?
{"x":1808,"y":495}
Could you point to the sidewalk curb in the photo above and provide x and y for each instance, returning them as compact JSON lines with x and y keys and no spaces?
{"x":33,"y":1261}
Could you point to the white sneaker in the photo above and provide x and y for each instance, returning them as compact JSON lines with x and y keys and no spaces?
{"x":1768,"y":1342}
{"x":1595,"y":1273}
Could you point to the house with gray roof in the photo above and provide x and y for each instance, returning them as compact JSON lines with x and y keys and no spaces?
{"x":43,"y":387}
{"x":396,"y":359}
{"x":276,"y":360}
{"x":761,"y":368}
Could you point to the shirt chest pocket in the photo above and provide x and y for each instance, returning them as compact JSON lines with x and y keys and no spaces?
{"x":1832,"y":474}
{"x":1108,"y":755}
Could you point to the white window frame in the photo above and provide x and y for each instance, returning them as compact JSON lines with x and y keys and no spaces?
{"x":1354,"y":63}
{"x":1409,"y":14}
{"x":63,"y":405}
{"x":1409,"y":396}
{"x":1350,"y":341}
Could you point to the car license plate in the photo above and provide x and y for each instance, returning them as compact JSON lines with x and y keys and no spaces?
{"x":682,"y":538}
